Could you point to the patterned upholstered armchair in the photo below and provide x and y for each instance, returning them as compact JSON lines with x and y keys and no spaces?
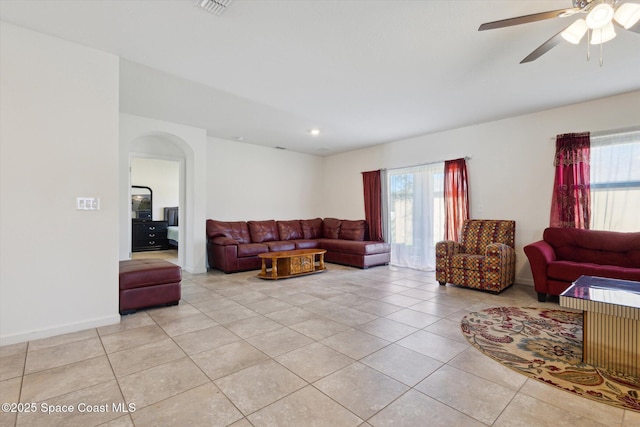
{"x":483,"y":259}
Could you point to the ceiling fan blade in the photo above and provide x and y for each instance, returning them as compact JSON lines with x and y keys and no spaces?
{"x":543,"y":48}
{"x":529,"y":18}
{"x":635,"y":28}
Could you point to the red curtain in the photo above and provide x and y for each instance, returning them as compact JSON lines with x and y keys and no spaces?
{"x":456,"y":198}
{"x":571,"y":204}
{"x":373,"y":204}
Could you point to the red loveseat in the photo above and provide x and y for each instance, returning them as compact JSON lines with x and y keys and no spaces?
{"x":564,"y":254}
{"x":234,"y":246}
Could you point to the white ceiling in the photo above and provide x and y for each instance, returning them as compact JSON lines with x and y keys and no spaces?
{"x":364,"y":72}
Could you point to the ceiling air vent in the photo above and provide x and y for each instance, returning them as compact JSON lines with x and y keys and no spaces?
{"x":214,"y":6}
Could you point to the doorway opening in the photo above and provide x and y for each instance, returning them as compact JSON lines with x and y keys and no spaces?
{"x":156,"y":140}
{"x":163,"y":177}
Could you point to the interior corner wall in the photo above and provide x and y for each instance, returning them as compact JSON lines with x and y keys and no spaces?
{"x":251,"y":182}
{"x":58,"y":141}
{"x":510,"y":170}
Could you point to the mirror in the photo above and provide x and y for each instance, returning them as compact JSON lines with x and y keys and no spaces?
{"x":141,"y":203}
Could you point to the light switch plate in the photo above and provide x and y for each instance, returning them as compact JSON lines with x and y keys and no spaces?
{"x":88,"y":203}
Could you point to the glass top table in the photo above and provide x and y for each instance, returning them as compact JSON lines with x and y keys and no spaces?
{"x":611,"y":327}
{"x":604,"y":290}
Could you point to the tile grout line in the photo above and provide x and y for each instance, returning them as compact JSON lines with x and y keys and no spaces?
{"x":271,"y":293}
{"x":115,"y":377}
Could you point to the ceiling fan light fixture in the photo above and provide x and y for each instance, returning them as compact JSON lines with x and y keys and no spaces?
{"x":627,"y":15}
{"x":600,"y":16}
{"x":598,"y":24}
{"x":574,"y":32}
{"x":603,"y":35}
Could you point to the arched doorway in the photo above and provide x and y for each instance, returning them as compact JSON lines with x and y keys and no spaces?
{"x":140,"y":136}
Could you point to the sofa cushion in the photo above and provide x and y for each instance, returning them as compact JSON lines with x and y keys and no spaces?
{"x":569,"y":271}
{"x":263,"y":231}
{"x":305,"y":243}
{"x":352,"y":230}
{"x":290,"y":230}
{"x":311,"y":228}
{"x":280,"y":245}
{"x":468,"y":262}
{"x":251,"y":249}
{"x":331,"y":228}
{"x":595,"y":246}
{"x":141,"y":273}
{"x":354,"y":247}
{"x":236,"y":230}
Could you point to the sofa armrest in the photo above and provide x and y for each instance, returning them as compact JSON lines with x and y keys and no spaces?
{"x":540,"y":254}
{"x":500,"y":255}
{"x":223,"y":241}
{"x":500,"y":263}
{"x":498,"y":249}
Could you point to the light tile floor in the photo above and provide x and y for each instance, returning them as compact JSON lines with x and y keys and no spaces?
{"x":347,"y":347}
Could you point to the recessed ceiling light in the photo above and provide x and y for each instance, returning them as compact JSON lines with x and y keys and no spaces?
{"x":314,"y":132}
{"x":238,"y":138}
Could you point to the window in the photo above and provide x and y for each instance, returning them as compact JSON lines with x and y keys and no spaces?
{"x":615,"y":182}
{"x":415,"y":214}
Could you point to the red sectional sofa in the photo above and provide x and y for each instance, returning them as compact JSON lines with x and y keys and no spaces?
{"x":564,"y":254}
{"x":234,"y":246}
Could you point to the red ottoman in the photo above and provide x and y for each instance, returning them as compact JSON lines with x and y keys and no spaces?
{"x":147,"y":283}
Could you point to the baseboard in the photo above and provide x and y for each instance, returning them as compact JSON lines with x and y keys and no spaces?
{"x":193,"y":270}
{"x":59,"y":330}
{"x":525,"y":281}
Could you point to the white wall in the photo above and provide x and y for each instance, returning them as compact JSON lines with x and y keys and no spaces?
{"x":510,"y":171}
{"x":59,"y":141}
{"x":163,"y":177}
{"x":250,"y":182}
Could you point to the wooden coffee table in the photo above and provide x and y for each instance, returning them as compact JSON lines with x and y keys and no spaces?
{"x":611,"y":334}
{"x":294,"y":263}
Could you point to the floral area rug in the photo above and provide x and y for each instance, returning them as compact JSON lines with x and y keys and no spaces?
{"x":547,"y":345}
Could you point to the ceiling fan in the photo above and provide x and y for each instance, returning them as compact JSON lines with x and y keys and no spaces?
{"x":601,"y":15}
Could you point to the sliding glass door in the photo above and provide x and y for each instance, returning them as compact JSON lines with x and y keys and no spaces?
{"x":415,"y":214}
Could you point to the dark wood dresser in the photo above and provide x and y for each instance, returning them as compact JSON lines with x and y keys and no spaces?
{"x":149,"y":235}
